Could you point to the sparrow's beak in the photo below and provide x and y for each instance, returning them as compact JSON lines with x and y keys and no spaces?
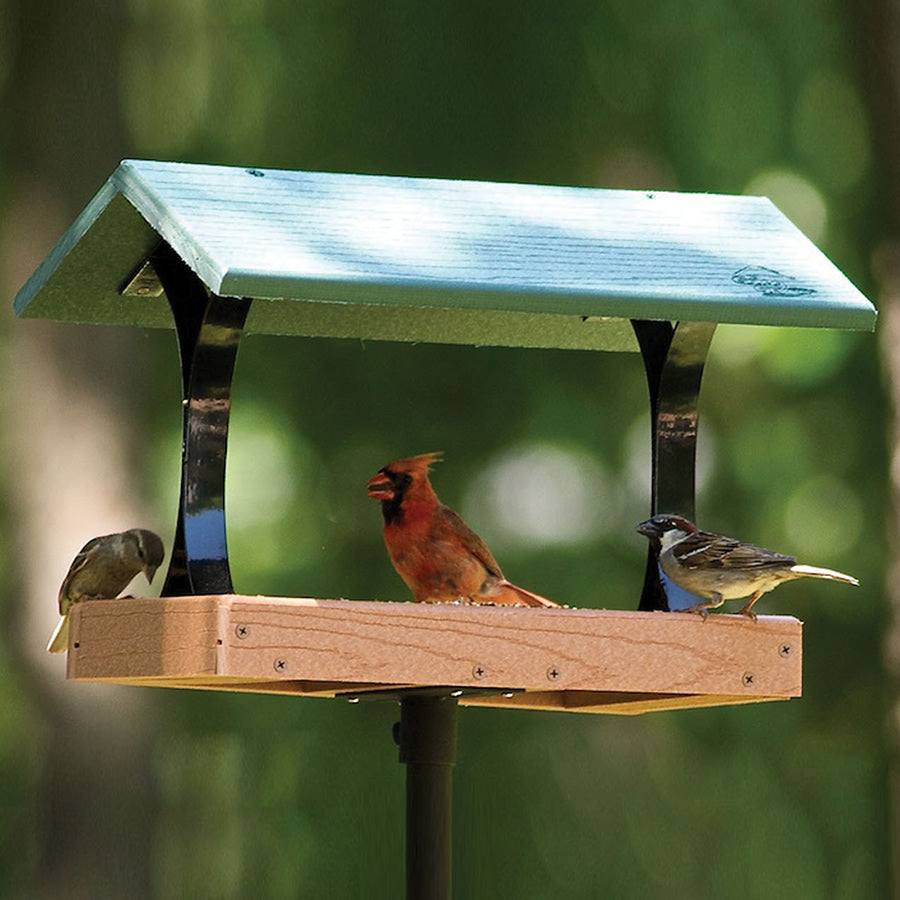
{"x":149,"y":572}
{"x":380,"y":487}
{"x":649,"y":529}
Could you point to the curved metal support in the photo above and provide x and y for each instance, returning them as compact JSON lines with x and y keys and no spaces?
{"x":209,"y":330}
{"x":674,"y":356}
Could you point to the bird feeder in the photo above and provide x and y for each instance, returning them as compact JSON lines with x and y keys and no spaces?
{"x":220,"y":251}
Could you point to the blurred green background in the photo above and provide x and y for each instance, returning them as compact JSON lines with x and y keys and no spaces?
{"x":113,"y":791}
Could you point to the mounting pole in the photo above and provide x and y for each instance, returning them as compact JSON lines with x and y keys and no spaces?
{"x":209,"y":330}
{"x":426,"y":735}
{"x":674,"y":355}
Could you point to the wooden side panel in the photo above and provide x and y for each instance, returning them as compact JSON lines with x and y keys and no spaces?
{"x":563,"y":659}
{"x":117,"y":640}
{"x":528,"y":649}
{"x":610,"y":702}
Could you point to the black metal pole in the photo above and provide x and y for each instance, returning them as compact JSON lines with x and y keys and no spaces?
{"x":427,"y":739}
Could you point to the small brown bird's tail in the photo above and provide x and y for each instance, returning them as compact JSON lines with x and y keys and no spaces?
{"x":508,"y":594}
{"x":816,"y":572}
{"x":59,"y":640}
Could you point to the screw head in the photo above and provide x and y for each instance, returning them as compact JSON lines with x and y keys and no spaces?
{"x":785,"y":650}
{"x":280,"y":665}
{"x":553,"y":673}
{"x":241,"y":631}
{"x":747,"y":679}
{"x":478,"y":671}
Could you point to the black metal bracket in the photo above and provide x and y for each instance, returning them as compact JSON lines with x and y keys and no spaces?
{"x":674,"y":356}
{"x":426,"y":735}
{"x":209,"y":331}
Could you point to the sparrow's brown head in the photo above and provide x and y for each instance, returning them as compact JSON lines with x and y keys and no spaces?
{"x":655,"y":527}
{"x":150,"y":551}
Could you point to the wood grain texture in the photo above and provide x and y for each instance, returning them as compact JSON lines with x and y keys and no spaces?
{"x":348,"y":255}
{"x":581,"y":660}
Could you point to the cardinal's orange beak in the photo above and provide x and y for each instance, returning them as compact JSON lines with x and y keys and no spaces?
{"x":381,"y":487}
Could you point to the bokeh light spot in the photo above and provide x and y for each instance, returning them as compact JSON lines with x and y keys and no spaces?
{"x":543,"y":494}
{"x":823,"y":518}
{"x":799,"y":199}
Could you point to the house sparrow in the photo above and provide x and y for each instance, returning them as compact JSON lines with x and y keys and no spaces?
{"x":717,"y":568}
{"x":102,"y":569}
{"x":433,"y":550}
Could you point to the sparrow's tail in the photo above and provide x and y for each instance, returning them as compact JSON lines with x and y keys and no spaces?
{"x":508,"y":594}
{"x":59,"y":640}
{"x":816,"y":572}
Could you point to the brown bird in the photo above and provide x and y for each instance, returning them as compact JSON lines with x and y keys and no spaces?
{"x":102,"y":569}
{"x":718,"y":568}
{"x":433,"y":550}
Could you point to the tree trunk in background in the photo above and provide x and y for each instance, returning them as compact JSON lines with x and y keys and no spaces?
{"x":876,"y":28}
{"x":68,"y":419}
{"x":889,"y":292}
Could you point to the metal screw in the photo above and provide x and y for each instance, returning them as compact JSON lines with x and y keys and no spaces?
{"x":456,"y":693}
{"x":280,"y":665}
{"x":784,"y":650}
{"x":478,"y":671}
{"x":241,"y":631}
{"x":553,"y":673}
{"x":747,"y":679}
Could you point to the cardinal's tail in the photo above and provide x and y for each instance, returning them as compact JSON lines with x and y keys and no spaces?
{"x":509,"y":594}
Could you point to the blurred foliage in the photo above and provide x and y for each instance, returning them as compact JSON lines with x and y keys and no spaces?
{"x":278,"y":797}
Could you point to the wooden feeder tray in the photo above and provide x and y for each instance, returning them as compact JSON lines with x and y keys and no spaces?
{"x":576,"y":660}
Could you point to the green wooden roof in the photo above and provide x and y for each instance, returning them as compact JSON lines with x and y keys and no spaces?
{"x":437,"y":260}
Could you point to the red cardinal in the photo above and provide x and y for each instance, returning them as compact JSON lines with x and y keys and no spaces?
{"x":439,"y":557}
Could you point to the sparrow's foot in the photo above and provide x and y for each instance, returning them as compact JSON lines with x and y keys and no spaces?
{"x":746,"y":611}
{"x":714,"y":602}
{"x":700,"y":609}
